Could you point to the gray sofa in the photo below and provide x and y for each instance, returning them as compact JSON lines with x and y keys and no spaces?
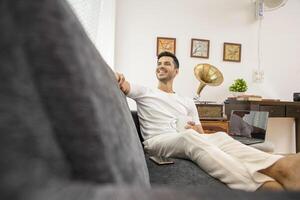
{"x":181,"y":173}
{"x":66,"y":132}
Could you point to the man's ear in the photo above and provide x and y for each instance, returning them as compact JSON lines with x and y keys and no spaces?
{"x":177,"y":71}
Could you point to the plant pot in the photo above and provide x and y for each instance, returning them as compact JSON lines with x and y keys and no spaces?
{"x":236,"y":94}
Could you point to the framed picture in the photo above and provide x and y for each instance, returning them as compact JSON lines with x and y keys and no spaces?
{"x":232,"y":52}
{"x":165,"y":44}
{"x":199,"y":48}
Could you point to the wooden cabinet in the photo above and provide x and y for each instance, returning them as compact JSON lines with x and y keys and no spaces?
{"x":212,"y":126}
{"x":210,"y":111}
{"x":211,"y":117}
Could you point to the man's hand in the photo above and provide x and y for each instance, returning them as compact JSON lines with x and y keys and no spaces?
{"x":123,"y":84}
{"x":120,"y":78}
{"x":192,"y":125}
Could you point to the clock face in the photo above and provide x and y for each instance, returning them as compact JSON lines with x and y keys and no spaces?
{"x":232,"y":52}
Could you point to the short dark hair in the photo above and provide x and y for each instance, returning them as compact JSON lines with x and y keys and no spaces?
{"x":169,"y":54}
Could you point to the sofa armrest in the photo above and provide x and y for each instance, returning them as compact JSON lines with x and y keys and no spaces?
{"x":137,"y":123}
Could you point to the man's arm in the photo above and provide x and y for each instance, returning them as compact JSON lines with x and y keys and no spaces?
{"x":123,"y":84}
{"x":192,"y":125}
{"x":195,"y":123}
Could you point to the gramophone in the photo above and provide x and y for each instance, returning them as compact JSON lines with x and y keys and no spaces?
{"x":208,"y":75}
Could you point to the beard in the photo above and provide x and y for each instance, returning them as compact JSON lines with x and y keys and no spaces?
{"x":164,"y":78}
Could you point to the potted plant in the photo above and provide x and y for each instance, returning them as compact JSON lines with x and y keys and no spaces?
{"x":238,"y":87}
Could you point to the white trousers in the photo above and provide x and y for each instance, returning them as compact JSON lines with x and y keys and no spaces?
{"x":224,"y":158}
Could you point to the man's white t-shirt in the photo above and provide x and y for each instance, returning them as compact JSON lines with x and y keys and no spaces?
{"x":157,"y":110}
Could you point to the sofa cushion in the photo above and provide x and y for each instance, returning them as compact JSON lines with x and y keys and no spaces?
{"x":181,"y":173}
{"x":57,"y":86}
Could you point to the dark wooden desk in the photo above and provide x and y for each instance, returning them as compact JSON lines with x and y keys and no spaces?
{"x":275,"y":109}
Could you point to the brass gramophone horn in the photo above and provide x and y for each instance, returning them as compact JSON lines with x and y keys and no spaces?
{"x":207,"y":75}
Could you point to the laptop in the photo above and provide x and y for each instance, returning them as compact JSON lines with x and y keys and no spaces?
{"x":248,"y":127}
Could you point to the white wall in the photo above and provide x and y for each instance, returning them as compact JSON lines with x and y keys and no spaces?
{"x":139,"y":22}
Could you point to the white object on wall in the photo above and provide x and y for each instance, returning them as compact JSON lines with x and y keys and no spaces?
{"x":258,"y":76}
{"x":267,"y":5}
{"x":260,"y":7}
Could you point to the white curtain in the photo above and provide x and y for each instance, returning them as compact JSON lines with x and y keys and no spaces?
{"x":98,"y":19}
{"x":88,"y":12}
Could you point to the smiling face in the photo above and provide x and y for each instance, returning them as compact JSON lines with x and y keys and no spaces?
{"x":166,"y":69}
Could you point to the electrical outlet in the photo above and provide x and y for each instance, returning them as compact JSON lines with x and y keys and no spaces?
{"x":258,"y":76}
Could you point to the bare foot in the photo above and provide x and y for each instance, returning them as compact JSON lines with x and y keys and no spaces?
{"x":271,"y":186}
{"x":291,"y":173}
{"x":286,"y":171}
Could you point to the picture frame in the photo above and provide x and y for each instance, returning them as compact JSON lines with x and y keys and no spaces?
{"x":232,"y":52}
{"x":200,"y":48}
{"x":165,"y":44}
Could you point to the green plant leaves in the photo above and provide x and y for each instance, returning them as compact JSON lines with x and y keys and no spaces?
{"x":239,"y":85}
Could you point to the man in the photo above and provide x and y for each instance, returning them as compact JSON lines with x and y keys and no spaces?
{"x":237,"y":165}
